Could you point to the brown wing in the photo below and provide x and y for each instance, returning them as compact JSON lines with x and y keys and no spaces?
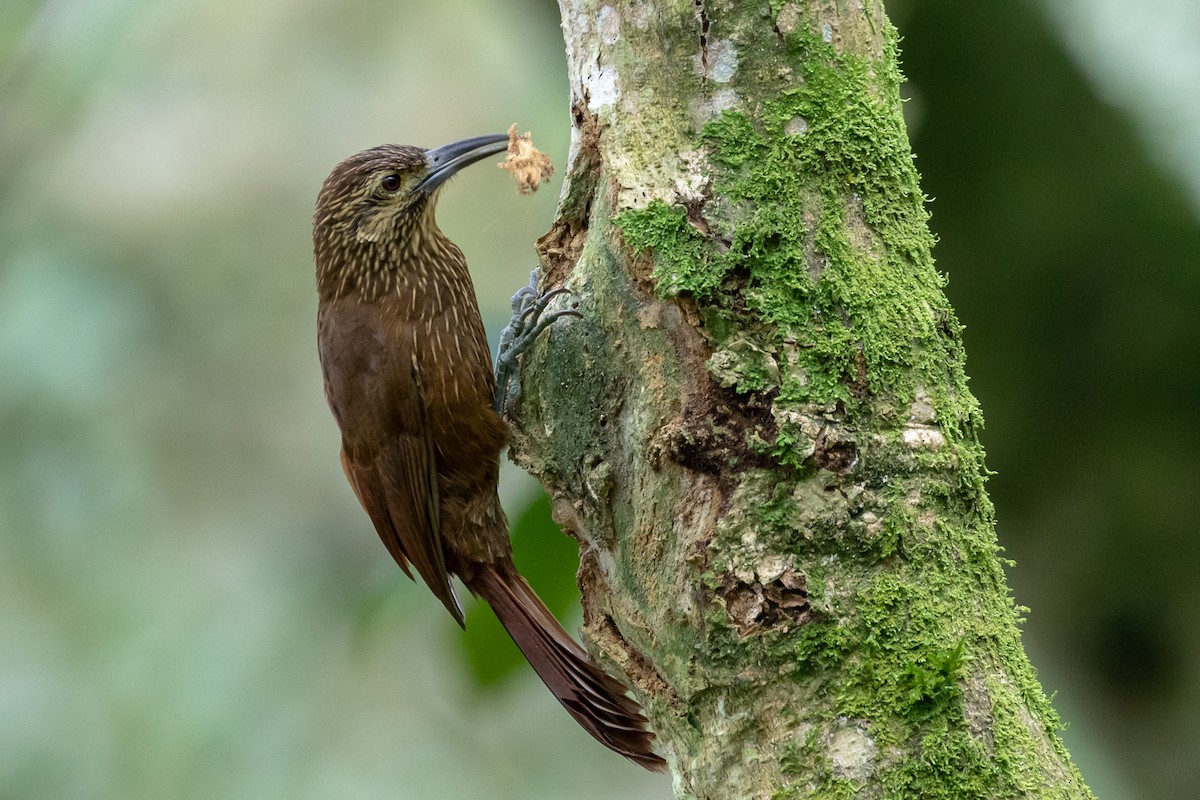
{"x":373,"y":385}
{"x":366,"y":490}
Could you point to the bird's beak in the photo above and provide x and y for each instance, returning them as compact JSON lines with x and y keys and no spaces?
{"x":448,"y":159}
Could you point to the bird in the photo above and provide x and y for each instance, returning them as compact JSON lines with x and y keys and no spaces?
{"x":406,"y":370}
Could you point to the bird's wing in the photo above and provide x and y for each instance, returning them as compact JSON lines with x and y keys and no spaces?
{"x":374,"y":387}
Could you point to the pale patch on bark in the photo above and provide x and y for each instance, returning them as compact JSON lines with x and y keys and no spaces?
{"x":609,"y":25}
{"x":852,"y":753}
{"x":597,"y":80}
{"x":706,"y":108}
{"x":602,"y":90}
{"x":788,"y":18}
{"x":796,"y":126}
{"x":641,"y":126}
{"x":921,"y":412}
{"x":719,"y":64}
{"x":922,"y":437}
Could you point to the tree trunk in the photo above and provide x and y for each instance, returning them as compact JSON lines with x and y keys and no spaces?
{"x":761,"y":432}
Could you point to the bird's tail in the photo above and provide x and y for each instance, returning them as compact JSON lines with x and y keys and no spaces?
{"x":595,"y":699}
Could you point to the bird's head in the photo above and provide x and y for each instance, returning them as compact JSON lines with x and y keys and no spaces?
{"x":376,"y":207}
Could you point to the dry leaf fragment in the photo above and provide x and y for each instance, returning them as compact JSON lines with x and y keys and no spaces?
{"x":528,"y":165}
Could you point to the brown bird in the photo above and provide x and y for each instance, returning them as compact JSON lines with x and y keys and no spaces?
{"x":408,"y":378}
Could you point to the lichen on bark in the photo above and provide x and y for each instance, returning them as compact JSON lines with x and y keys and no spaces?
{"x":761,"y":430}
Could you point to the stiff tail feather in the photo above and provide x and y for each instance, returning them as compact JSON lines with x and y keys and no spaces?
{"x":595,"y":699}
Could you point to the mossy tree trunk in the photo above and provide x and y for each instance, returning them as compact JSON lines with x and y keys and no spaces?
{"x":761,"y":431}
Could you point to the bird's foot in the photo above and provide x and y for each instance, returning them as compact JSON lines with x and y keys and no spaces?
{"x":529,"y":319}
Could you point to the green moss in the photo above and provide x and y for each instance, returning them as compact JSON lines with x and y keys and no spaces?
{"x":811,"y":269}
{"x":824,"y":221}
{"x":809,"y":772}
{"x":953,"y":766}
{"x":894,"y":664}
{"x":791,"y":215}
{"x":908,"y":670}
{"x":683,"y":258}
{"x":894,"y":642}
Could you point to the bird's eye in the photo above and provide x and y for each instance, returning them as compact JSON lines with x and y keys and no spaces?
{"x":390,"y":183}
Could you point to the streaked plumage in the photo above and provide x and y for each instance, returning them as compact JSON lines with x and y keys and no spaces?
{"x":408,"y":378}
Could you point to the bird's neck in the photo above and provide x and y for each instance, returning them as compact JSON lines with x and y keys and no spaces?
{"x":420,"y":272}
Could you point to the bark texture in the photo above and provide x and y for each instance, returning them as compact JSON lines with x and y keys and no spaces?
{"x":761,"y":431}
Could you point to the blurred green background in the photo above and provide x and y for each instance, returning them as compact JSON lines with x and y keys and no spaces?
{"x":191,"y":603}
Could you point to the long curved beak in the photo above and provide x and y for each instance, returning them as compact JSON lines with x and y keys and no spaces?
{"x":448,"y":159}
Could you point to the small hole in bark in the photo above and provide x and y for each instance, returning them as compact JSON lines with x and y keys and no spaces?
{"x":757,"y":606}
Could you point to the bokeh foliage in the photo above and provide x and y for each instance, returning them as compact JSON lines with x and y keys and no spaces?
{"x":191,"y":604}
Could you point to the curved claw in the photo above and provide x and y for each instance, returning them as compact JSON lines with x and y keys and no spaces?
{"x":536,"y":308}
{"x":528,"y":320}
{"x":521,"y":299}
